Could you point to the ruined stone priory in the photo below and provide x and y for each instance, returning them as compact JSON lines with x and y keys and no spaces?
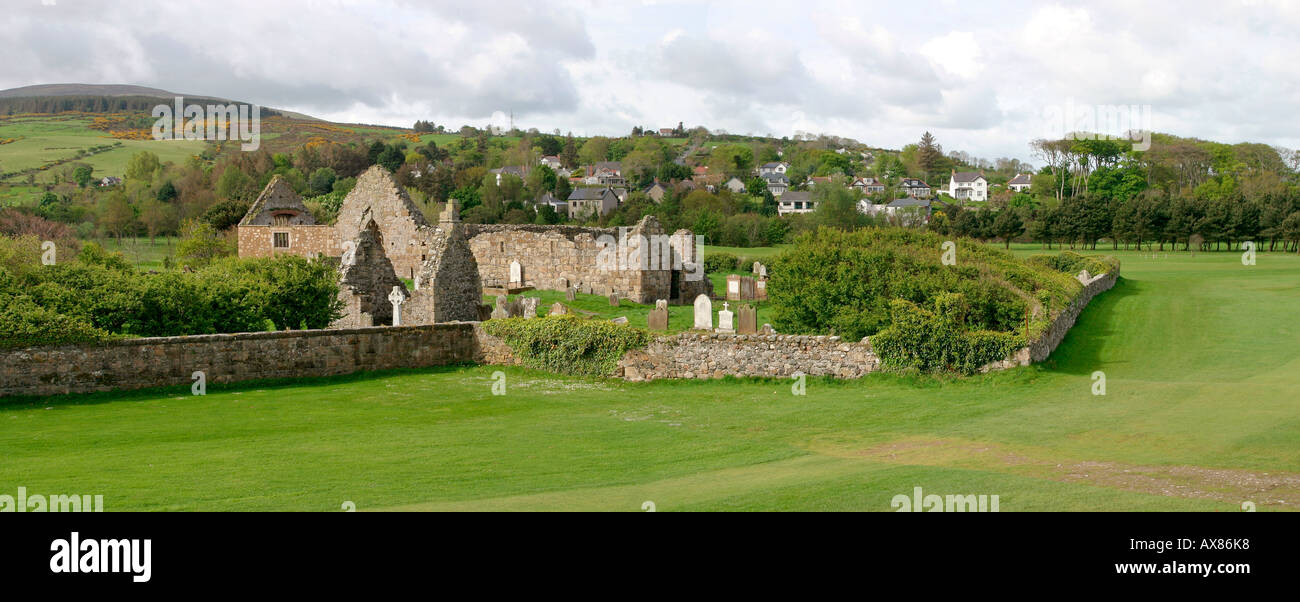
{"x":651,"y":264}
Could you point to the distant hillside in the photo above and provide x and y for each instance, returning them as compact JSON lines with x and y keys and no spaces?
{"x":102,"y":98}
{"x":85,"y":90}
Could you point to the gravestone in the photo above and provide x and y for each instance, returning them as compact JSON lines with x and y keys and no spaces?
{"x":397,"y":297}
{"x":760,"y":289}
{"x":767,"y":329}
{"x":733,"y":287}
{"x":703,"y":313}
{"x":762,"y":271}
{"x":561,"y":284}
{"x":746,"y":288}
{"x":747,"y":319}
{"x":658,"y":318}
{"x":757,"y":267}
{"x":613,"y":299}
{"x":571,"y":294}
{"x":516,"y":274}
{"x":530,"y":307}
{"x":725,"y":323}
{"x":501,"y":312}
{"x":559,"y":309}
{"x":620,"y":320}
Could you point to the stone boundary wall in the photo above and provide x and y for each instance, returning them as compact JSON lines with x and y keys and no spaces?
{"x":703,"y":355}
{"x":227,"y":358}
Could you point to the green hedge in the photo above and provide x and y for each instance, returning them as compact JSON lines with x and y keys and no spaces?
{"x":1072,"y":263}
{"x":98,"y":295}
{"x":25,"y":324}
{"x":937,"y":340}
{"x":843,"y":282}
{"x":568,"y":344}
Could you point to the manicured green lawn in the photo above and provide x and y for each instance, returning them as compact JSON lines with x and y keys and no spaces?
{"x":1202,"y":371}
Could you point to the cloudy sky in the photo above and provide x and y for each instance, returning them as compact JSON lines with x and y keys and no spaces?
{"x":984,"y":77}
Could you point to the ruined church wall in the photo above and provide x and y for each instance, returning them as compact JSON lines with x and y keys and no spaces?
{"x":548,"y":254}
{"x":258,"y":241}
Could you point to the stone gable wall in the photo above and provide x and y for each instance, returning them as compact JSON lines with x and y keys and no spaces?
{"x":257,"y":241}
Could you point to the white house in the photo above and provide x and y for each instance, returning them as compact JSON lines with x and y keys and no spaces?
{"x":1020,"y":183}
{"x":796,"y":201}
{"x":968,"y":186}
{"x":735,"y":185}
{"x":772,"y":169}
{"x":777,"y":184}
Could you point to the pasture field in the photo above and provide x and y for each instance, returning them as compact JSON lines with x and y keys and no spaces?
{"x":1200,"y":412}
{"x":44,"y":139}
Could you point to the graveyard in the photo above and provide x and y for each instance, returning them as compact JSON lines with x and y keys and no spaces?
{"x":1193,"y":348}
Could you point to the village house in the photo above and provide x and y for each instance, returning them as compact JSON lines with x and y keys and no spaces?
{"x":556,"y":165}
{"x":520,"y":172}
{"x":814,"y":181}
{"x":560,"y":207}
{"x":909,"y":211}
{"x":968,"y":186}
{"x":796,"y":201}
{"x":868,"y":185}
{"x":777,"y":184}
{"x":772,"y":169}
{"x":656,"y":191}
{"x":589,"y":202}
{"x":735,"y":185}
{"x":914,"y":188}
{"x":1020,"y":183}
{"x":605,"y":173}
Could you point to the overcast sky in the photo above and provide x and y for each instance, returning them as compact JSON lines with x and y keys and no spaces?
{"x":984,"y":77}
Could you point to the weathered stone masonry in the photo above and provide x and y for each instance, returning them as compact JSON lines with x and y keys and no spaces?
{"x":168,"y":361}
{"x":552,"y":256}
{"x":227,"y":358}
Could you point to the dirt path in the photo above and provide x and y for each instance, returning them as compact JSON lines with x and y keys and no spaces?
{"x":1221,"y":484}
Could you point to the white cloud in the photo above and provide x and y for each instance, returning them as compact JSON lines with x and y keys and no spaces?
{"x":977,"y":76}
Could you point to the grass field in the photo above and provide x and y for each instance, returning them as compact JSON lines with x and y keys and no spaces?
{"x":1199,"y":354}
{"x":44,"y":139}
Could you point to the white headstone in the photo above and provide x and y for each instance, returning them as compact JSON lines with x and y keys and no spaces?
{"x":726,"y":325}
{"x":516,"y":273}
{"x":703,"y":313}
{"x":530,"y":307}
{"x":397,"y":297}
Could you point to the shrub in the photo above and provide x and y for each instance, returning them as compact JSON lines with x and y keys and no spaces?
{"x":23,"y":323}
{"x":845,"y":281}
{"x":937,"y":341}
{"x":568,"y":344}
{"x":719,"y":262}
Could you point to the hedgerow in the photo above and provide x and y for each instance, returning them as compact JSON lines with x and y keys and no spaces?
{"x":568,"y":344}
{"x":937,"y":340}
{"x":852,"y":283}
{"x":98,"y":295}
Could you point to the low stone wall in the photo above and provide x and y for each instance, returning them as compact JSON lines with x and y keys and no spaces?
{"x":696,"y":355}
{"x":226,"y":358}
{"x":702,"y":355}
{"x":1046,"y":344}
